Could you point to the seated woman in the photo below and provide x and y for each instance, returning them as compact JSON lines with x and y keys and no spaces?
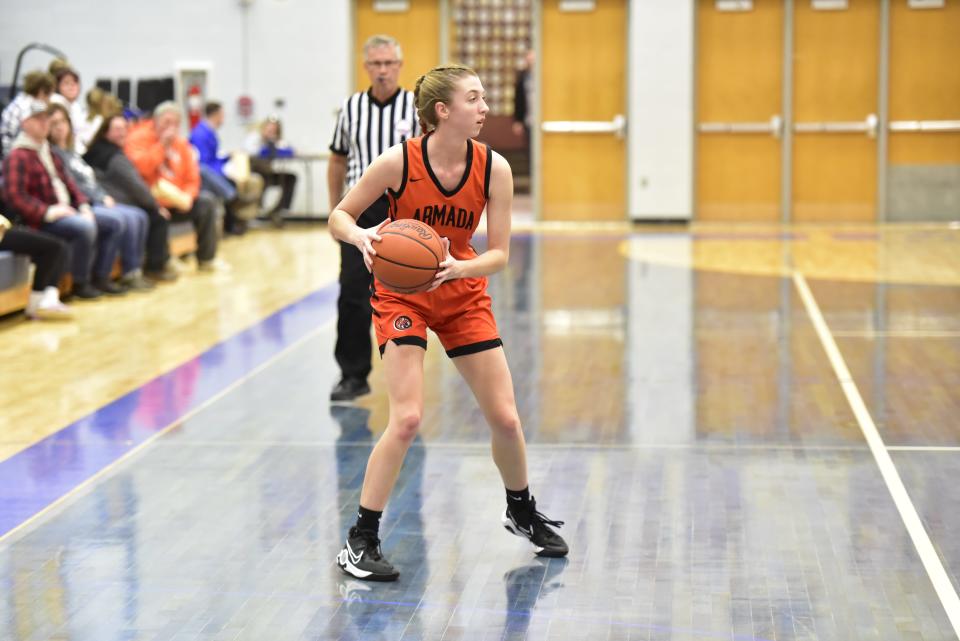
{"x":67,"y":93}
{"x":133,"y":221}
{"x":264,"y":145}
{"x":117,"y":175}
{"x":50,"y":255}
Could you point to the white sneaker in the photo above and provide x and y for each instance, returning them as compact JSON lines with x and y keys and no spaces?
{"x":48,"y":310}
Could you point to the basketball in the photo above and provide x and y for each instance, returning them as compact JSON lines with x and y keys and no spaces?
{"x":408,"y":256}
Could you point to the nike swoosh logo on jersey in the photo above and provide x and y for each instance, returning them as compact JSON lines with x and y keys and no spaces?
{"x":354,"y":558}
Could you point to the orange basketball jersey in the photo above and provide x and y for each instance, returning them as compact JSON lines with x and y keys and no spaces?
{"x":453,"y":214}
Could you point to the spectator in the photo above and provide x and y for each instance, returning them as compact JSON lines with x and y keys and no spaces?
{"x":133,"y":221}
{"x":117,"y":175}
{"x":166,"y":163}
{"x":523,"y":96}
{"x":50,"y":255}
{"x":68,"y":94}
{"x":523,"y":104}
{"x":264,"y":145}
{"x":241,"y":194}
{"x":37,"y":85}
{"x":39,"y":190}
{"x":100,"y":103}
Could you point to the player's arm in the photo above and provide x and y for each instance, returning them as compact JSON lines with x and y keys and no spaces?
{"x":499,"y":208}
{"x":384,"y":173}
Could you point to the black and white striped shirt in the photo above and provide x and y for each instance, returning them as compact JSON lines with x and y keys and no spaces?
{"x":367,"y":128}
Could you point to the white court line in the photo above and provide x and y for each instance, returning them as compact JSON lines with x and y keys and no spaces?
{"x":908,"y":512}
{"x":923,"y":448}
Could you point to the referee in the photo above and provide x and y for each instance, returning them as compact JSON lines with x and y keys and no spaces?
{"x":370,"y":122}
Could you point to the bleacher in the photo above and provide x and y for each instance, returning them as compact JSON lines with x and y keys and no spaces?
{"x":14,"y":282}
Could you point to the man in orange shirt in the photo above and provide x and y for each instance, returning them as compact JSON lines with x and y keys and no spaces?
{"x":168,"y":166}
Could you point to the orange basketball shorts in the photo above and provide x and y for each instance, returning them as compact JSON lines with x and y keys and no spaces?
{"x":458,"y":312}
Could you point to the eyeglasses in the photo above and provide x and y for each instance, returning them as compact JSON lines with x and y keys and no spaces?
{"x":386,"y":64}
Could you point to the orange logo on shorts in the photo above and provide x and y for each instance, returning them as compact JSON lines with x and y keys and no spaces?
{"x":402,"y":323}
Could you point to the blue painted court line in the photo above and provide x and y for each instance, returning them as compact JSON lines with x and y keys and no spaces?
{"x":36,"y":477}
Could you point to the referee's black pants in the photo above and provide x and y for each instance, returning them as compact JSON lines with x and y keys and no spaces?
{"x":354,"y":348}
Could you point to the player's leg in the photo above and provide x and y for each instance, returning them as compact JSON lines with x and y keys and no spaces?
{"x":488,"y":375}
{"x":361,"y":556}
{"x":403,"y":369}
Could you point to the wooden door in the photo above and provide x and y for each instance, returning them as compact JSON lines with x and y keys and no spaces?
{"x":739,"y":88}
{"x":417,"y":30}
{"x":584,"y":79}
{"x":923,"y":176}
{"x":836,"y":58}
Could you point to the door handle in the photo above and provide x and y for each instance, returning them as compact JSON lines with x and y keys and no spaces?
{"x":774,"y":126}
{"x":868,"y":125}
{"x":924,"y":125}
{"x":617,"y":126}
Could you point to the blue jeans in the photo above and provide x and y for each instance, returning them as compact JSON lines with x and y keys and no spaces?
{"x":93,"y":246}
{"x":217,"y":184}
{"x":133,"y":240}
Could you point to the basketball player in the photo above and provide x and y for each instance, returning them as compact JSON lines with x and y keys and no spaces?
{"x":445,"y":179}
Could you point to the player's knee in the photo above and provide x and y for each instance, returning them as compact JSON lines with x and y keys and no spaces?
{"x":406,"y":425}
{"x":507,"y":424}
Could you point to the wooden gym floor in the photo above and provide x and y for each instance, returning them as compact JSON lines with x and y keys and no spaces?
{"x":750,"y":432}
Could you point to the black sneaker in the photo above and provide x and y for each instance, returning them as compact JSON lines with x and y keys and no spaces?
{"x":86,"y":291}
{"x":545,"y":541}
{"x":277,"y":217}
{"x":349,"y":389}
{"x":361,"y":558}
{"x":109,"y":287}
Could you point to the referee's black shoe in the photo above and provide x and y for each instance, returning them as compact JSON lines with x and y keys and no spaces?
{"x":361,"y":557}
{"x":348,"y":389}
{"x":545,"y":541}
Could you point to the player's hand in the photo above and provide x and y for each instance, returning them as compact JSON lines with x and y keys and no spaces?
{"x":365,"y":243}
{"x":450,"y":267}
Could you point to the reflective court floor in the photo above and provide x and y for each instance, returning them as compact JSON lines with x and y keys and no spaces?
{"x":685,"y":418}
